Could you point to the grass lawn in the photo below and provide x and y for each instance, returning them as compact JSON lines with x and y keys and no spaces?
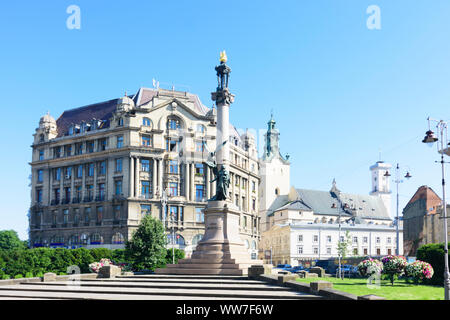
{"x":400,"y":291}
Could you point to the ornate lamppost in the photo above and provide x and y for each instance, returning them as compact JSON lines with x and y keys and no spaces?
{"x":397,"y":218}
{"x":430,"y":138}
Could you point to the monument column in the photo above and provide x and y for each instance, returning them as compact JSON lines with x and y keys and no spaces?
{"x":221,"y":250}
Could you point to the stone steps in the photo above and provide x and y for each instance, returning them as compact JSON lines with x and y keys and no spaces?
{"x":154,"y":287}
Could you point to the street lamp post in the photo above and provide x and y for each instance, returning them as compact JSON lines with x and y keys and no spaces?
{"x":397,"y":218}
{"x":430,"y":138}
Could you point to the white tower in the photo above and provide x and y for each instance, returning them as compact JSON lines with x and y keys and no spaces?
{"x":274,"y":171}
{"x":381,"y":183}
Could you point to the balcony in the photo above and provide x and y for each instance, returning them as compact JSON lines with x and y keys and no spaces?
{"x":88,"y":198}
{"x":76,"y":199}
{"x":145,"y":196}
{"x":116,"y":222}
{"x":55,"y":202}
{"x":65,"y":200}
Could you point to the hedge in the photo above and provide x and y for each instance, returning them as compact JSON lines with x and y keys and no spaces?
{"x":433,"y":254}
{"x":35,"y":262}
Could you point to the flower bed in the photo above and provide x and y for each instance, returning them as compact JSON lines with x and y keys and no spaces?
{"x":419,"y":270}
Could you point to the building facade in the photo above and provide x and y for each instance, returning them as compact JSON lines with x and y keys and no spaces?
{"x":97,"y":170}
{"x":422,"y":221}
{"x":303,"y":225}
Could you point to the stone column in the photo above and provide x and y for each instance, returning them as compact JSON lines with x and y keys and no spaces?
{"x":160,"y":175}
{"x":136,"y":177}
{"x":131,"y":160}
{"x":154,"y":174}
{"x":186,"y":180}
{"x":192,"y":175}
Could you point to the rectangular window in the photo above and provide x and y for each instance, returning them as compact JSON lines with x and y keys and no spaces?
{"x":146,"y":209}
{"x":355,"y":239}
{"x":56,"y":195}
{"x":173,"y":166}
{"x":118,"y":166}
{"x":316,"y":250}
{"x":118,"y":187}
{"x":254,"y":204}
{"x":38,"y":195}
{"x":173,"y":189}
{"x":89,"y":192}
{"x":68,"y":150}
{"x":378,"y":239}
{"x":145,"y":165}
{"x":355,"y":251}
{"x":102,"y":143}
{"x":145,"y":189}
{"x":90,"y":146}
{"x":365,"y":239}
{"x":40,"y":175}
{"x":90,"y":170}
{"x":300,"y":250}
{"x":199,"y":215}
{"x":329,"y":239}
{"x":173,"y":213}
{"x":65,"y":216}
{"x":68,"y":173}
{"x":78,"y":191}
{"x":315,"y":238}
{"x":199,"y":192}
{"x":41,"y":155}
{"x":119,"y":141}
{"x":57,"y":174}
{"x":57,"y":152}
{"x":328,"y":250}
{"x":101,"y":192}
{"x":117,"y":210}
{"x":253,"y":186}
{"x":199,"y":169}
{"x":87,"y":215}
{"x":67,"y":192}
{"x":99,"y":214}
{"x":389,"y":240}
{"x":79,"y":148}
{"x":102,"y":168}
{"x":147,"y":141}
{"x":300,"y":238}
{"x":365,"y":251}
{"x":80,"y":171}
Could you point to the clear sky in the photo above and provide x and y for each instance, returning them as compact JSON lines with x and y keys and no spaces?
{"x":340,"y":92}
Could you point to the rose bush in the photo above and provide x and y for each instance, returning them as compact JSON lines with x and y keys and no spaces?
{"x":394,"y":266}
{"x":95,"y":266}
{"x":370,"y":267}
{"x":419,"y":270}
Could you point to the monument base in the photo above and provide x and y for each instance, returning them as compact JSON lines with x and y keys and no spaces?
{"x":221,"y":251}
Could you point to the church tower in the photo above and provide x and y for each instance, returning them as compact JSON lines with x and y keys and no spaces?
{"x":274,"y":171}
{"x":380,"y":175}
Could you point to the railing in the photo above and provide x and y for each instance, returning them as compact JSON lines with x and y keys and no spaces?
{"x":88,"y":198}
{"x":66,"y":200}
{"x":100,"y":197}
{"x":55,"y":202}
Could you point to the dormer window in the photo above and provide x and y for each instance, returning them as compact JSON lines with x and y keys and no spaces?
{"x":70,"y":132}
{"x":120,"y":122}
{"x":41,"y":138}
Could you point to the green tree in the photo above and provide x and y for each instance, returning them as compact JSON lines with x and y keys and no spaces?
{"x":146,"y":249}
{"x":10,"y":240}
{"x":179,"y":254}
{"x":344,"y":245}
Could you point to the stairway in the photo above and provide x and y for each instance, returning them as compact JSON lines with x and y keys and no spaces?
{"x":155,"y":287}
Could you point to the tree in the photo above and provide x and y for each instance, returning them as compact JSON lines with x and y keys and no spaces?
{"x":146,"y":249}
{"x":343,"y":245}
{"x":10,"y":240}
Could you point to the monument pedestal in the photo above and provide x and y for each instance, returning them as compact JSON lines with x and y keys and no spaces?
{"x":221,"y":250}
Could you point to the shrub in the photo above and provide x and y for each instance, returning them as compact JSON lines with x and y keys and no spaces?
{"x":433,"y":254}
{"x":179,"y":254}
{"x":369,"y":267}
{"x":18,"y":276}
{"x":146,"y":249}
{"x":394,"y":266}
{"x":419,"y":270}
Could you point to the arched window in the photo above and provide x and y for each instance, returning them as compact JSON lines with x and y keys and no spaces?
{"x":196,"y":239}
{"x":253,"y":245}
{"x":247,"y":244}
{"x":96,"y":238}
{"x":173,"y":123}
{"x":277,"y":191}
{"x":147,"y":122}
{"x":117,"y":238}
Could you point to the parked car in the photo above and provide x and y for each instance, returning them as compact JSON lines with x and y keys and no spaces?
{"x":283,"y":266}
{"x":296,"y":269}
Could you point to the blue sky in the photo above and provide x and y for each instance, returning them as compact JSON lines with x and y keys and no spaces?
{"x":339,"y":91}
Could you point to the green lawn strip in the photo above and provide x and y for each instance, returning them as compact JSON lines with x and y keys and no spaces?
{"x":400,"y":291}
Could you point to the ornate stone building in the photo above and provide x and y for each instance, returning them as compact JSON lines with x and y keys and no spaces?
{"x":98,"y":169}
